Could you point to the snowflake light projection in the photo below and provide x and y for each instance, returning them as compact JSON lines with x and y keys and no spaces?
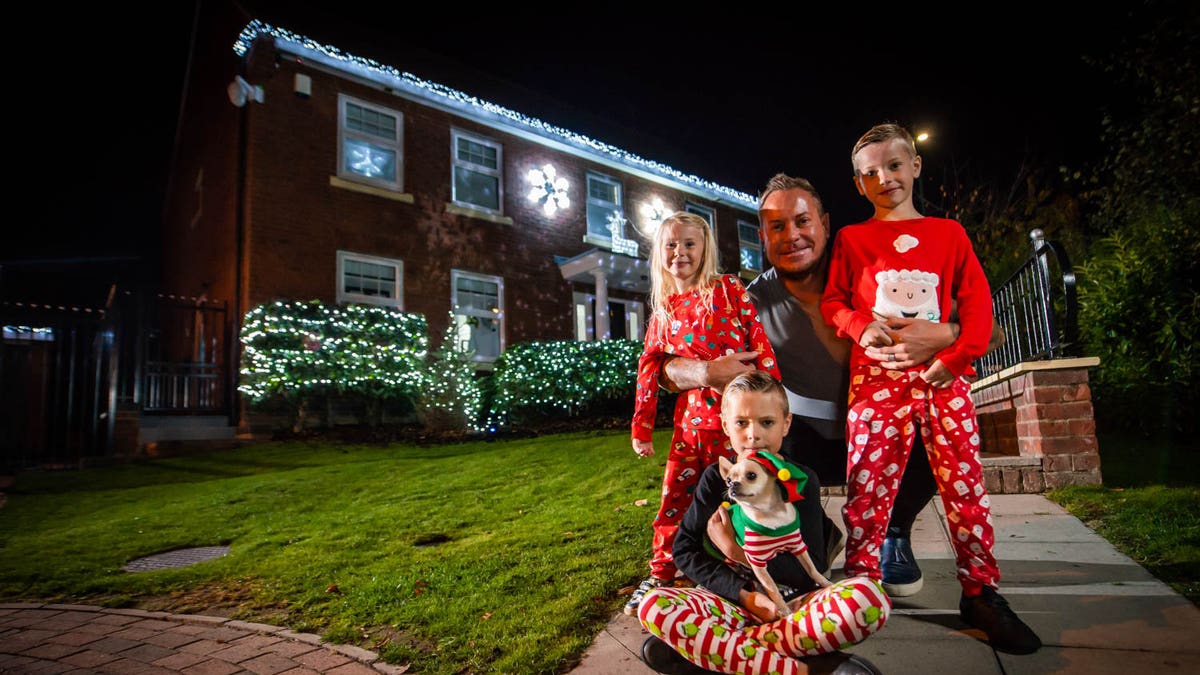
{"x":365,"y":162}
{"x":549,"y":189}
{"x":653,"y":213}
{"x":616,"y":225}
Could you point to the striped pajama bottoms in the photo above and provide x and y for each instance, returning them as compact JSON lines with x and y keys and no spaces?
{"x":719,"y":635}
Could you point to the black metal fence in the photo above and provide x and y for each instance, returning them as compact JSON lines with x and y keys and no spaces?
{"x":55,"y":370}
{"x":1036,"y":308}
{"x":173,"y":354}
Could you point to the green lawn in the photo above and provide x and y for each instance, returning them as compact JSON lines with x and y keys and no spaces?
{"x":1148,"y":507}
{"x":480,"y":557}
{"x":501,"y":557}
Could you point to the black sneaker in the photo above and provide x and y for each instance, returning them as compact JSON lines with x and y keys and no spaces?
{"x":901,"y":576}
{"x":990,"y":613}
{"x":662,"y":658}
{"x":839,"y":663}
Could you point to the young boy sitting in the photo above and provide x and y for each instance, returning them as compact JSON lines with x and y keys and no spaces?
{"x":900,"y":263}
{"x":729,"y":625}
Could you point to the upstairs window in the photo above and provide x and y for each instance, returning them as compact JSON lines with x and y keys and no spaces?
{"x":369,"y":279}
{"x":749,"y":247}
{"x":603,"y":207}
{"x":478,"y":180}
{"x":370,"y":144}
{"x":706,"y":213}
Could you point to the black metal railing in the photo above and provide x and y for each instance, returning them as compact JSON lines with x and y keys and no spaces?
{"x":1036,"y":308}
{"x":183,"y":387}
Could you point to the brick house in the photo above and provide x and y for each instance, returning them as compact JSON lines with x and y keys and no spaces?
{"x":303,"y":172}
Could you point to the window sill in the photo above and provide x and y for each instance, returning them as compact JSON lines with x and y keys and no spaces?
{"x":370,"y":190}
{"x":476,"y":213}
{"x":606,"y":242}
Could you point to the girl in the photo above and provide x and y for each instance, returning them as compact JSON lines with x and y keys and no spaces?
{"x":699,"y":314}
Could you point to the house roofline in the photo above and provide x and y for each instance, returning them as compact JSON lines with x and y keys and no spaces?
{"x":447,"y":99}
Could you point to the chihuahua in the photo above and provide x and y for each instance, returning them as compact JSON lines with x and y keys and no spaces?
{"x":765,"y":522}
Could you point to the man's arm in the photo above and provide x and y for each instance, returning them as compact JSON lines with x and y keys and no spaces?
{"x":680,"y":373}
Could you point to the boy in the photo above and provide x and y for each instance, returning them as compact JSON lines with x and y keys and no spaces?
{"x":714,"y":626}
{"x":900,"y":263}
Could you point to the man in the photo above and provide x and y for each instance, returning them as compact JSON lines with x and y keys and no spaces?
{"x":794,"y":229}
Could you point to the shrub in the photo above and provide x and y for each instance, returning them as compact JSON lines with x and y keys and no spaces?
{"x":538,"y":380}
{"x":299,"y":351}
{"x":452,"y":398}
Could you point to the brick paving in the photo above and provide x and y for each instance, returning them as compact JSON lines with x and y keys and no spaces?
{"x":79,"y":639}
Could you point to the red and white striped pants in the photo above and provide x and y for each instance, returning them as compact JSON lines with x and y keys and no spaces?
{"x":716,"y":634}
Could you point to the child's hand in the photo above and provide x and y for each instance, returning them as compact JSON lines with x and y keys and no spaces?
{"x":720,"y":533}
{"x":875,"y":335}
{"x":938,"y":375}
{"x":759,"y":605}
{"x":643,"y":448}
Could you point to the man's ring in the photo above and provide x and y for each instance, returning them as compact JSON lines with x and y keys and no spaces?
{"x":891,"y":357}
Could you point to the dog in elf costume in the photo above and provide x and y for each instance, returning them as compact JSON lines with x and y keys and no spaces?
{"x":762,"y":487}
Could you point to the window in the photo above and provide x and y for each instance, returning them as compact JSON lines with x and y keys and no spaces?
{"x":370,"y":144}
{"x":478,"y":302}
{"x":28,"y":334}
{"x":625,"y":318}
{"x":706,"y":213}
{"x":749,"y":247}
{"x":478,"y":165}
{"x":371,"y":280}
{"x":603,"y":207}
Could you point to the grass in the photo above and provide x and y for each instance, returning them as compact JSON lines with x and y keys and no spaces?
{"x":479,"y":557}
{"x":1148,"y":507}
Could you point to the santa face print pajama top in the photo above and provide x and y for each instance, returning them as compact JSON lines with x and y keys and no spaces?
{"x":916,"y":268}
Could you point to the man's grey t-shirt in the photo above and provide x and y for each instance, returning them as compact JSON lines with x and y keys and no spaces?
{"x":816,"y":381}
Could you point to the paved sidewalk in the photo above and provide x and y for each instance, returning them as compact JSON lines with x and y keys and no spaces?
{"x":1096,"y":610}
{"x":37,"y":638}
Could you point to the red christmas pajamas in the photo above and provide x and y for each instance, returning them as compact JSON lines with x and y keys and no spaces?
{"x":730,"y":324}
{"x":886,"y":409}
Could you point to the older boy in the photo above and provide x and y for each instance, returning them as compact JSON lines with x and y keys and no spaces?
{"x":900,"y":263}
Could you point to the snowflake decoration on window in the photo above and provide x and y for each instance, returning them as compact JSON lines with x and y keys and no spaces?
{"x":367,"y":163}
{"x":616,"y":225}
{"x":549,"y":189}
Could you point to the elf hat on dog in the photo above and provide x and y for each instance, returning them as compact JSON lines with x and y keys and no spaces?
{"x":791,"y":477}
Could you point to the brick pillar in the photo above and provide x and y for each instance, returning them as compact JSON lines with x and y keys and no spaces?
{"x":1037,"y":427}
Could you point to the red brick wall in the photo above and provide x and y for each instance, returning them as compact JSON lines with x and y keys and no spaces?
{"x":1044,"y":415}
{"x":297,"y":221}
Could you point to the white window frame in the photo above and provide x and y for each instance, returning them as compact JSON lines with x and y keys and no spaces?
{"x":344,"y":297}
{"x":455,"y":275}
{"x":756,"y":244}
{"x":589,"y":236}
{"x":498,"y":172}
{"x":583,"y":317}
{"x":706,"y":212}
{"x":397,"y":144}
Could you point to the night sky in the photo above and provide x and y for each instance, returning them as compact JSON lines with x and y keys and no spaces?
{"x":730,"y":98}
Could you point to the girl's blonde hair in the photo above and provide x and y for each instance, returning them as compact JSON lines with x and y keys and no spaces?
{"x":662,"y":285}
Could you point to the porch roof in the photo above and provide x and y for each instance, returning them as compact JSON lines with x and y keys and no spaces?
{"x":622,"y":271}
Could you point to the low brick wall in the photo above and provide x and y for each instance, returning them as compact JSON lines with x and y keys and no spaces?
{"x":1037,"y":428}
